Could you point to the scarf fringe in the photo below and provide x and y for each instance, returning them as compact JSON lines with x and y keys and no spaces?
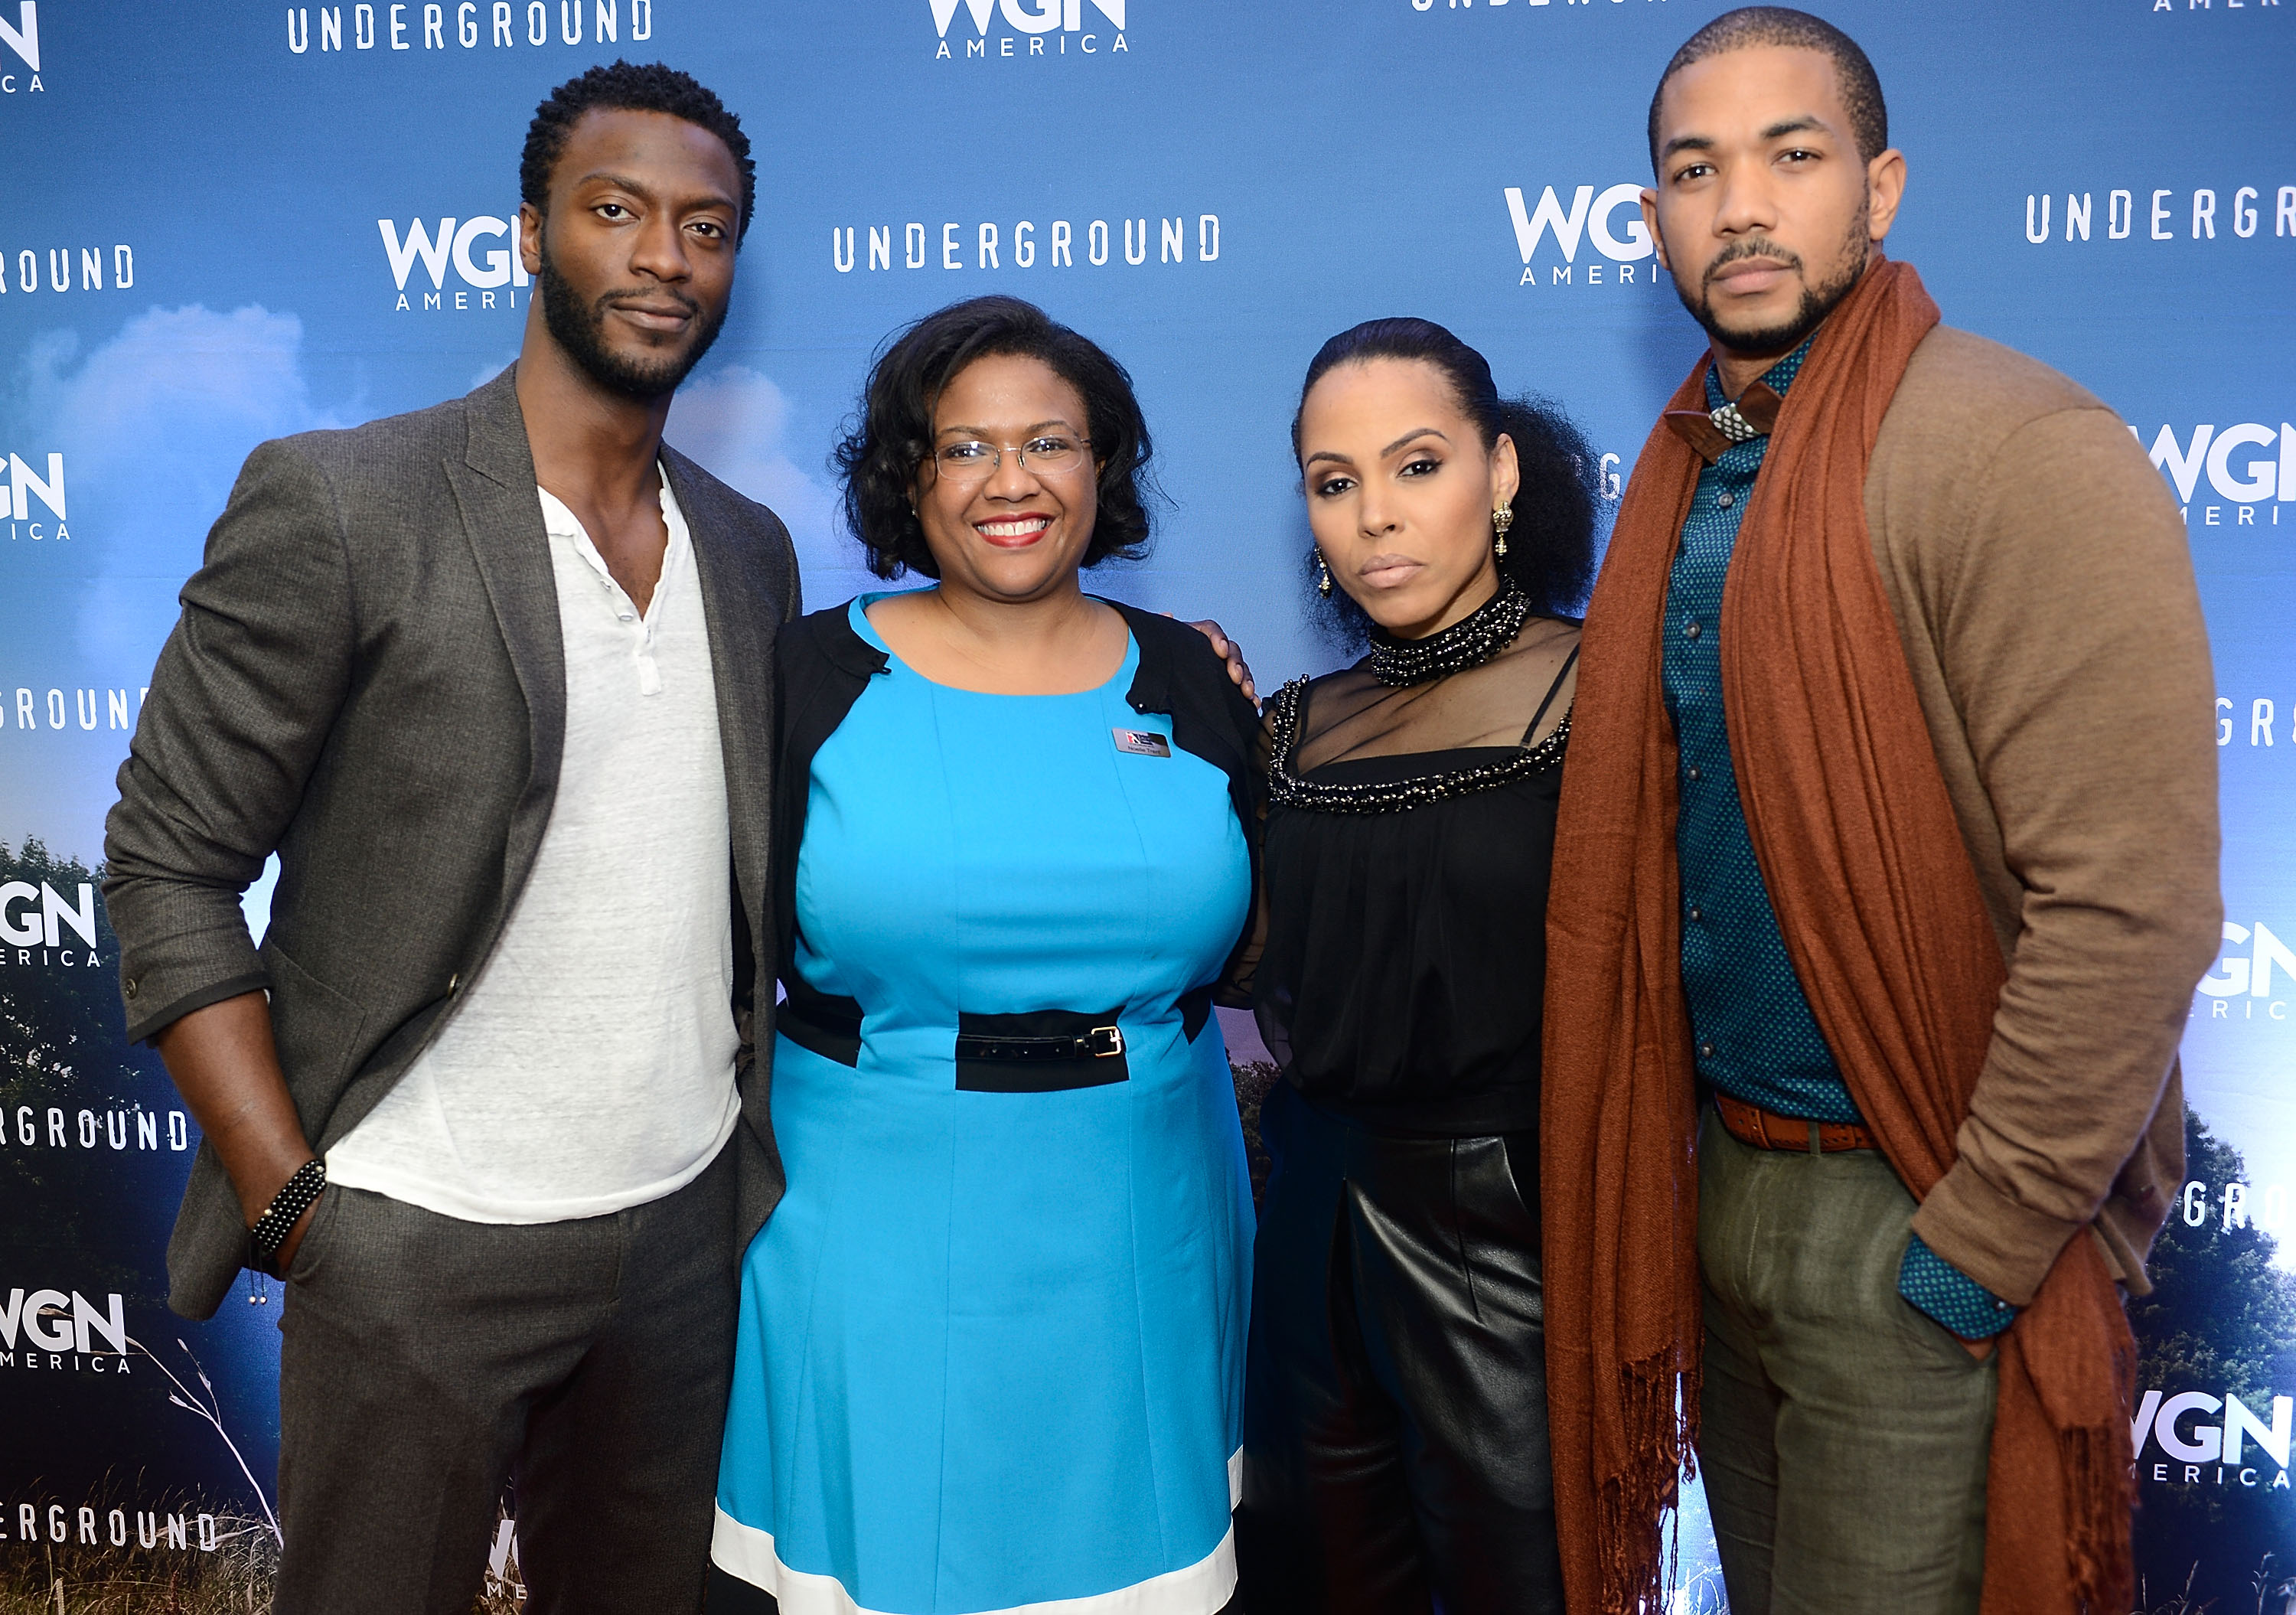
{"x":1640,"y":1521}
{"x":2097,"y":1503}
{"x":2098,"y":1466}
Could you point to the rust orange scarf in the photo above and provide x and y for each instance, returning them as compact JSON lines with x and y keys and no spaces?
{"x":1883,"y":917}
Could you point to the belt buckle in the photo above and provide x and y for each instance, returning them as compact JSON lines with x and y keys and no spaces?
{"x":1104,"y":1042}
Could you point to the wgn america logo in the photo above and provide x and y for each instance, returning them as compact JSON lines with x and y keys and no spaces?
{"x":1061,"y":244}
{"x":2165,"y":215}
{"x":85,"y":708}
{"x":33,"y":505}
{"x":489,"y":276}
{"x":23,"y":42}
{"x":36,"y":917}
{"x":499,"y":25}
{"x":1591,"y":219}
{"x":2241,"y":984}
{"x":57,"y":1330}
{"x":2200,"y":1454}
{"x":1045,"y":29}
{"x":2251,"y":466}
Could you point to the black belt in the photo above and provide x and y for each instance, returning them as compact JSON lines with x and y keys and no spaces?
{"x":830,"y":1027}
{"x":1100,"y":1043}
{"x":1041,"y":1052}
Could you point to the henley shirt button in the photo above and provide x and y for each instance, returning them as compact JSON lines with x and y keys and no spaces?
{"x":129,"y":986}
{"x":1690,"y":630}
{"x":1724,"y":499}
{"x":1706,"y":1050}
{"x":629,"y":616}
{"x":1693,"y":772}
{"x":1697,"y":915}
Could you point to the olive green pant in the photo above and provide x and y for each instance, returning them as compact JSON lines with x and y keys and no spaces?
{"x":1845,"y":1432}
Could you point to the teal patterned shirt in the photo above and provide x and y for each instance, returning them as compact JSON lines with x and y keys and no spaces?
{"x":1755,"y":1036}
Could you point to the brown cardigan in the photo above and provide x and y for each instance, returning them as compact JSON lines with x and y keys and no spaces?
{"x":2042,"y":588}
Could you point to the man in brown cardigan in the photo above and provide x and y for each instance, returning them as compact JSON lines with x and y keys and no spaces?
{"x":1882,"y":890}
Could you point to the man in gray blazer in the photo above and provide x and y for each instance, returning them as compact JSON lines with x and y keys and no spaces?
{"x":494,"y":680}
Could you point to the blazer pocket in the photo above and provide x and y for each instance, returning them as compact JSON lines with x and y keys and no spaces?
{"x":316,"y":1030}
{"x":312,"y":1251}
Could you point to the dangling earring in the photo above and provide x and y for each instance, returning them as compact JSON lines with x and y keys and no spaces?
{"x":1502,"y":518}
{"x":1322,"y":576}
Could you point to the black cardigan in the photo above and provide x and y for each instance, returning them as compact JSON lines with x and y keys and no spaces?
{"x":824,"y":666}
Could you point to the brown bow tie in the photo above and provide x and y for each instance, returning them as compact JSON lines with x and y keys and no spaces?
{"x":1714,"y":434}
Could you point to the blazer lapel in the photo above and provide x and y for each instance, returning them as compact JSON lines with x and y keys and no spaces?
{"x":743,"y":608}
{"x":502,"y":519}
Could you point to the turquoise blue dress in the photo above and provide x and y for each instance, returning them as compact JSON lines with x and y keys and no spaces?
{"x":991,"y":1343}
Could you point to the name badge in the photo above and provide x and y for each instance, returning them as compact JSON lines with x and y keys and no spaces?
{"x":1142,"y":742}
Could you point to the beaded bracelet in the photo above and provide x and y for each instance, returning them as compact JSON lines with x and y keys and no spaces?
{"x":271,"y":1229}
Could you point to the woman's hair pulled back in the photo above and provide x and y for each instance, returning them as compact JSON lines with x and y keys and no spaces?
{"x":1551,"y":545}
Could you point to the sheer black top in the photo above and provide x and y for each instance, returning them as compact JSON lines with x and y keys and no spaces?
{"x":1408,"y":841}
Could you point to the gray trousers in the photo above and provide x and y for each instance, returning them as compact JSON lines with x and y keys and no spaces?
{"x":1845,"y":1432}
{"x":427,"y":1359}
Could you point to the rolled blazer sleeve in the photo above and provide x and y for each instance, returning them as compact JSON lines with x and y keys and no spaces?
{"x":240,"y":704}
{"x":2071,"y":641}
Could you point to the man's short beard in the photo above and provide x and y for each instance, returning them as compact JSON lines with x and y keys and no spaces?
{"x":580,"y":331}
{"x":1816,"y":302}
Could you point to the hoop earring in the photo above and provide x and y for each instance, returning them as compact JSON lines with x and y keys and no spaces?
{"x":1502,"y":518}
{"x":1323,"y":576}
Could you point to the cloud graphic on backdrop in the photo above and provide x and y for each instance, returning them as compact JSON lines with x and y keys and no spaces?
{"x":154,"y":424}
{"x":155,"y":421}
{"x":734,"y":421}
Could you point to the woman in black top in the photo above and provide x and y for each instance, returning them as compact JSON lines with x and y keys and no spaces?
{"x":1395,"y":1431}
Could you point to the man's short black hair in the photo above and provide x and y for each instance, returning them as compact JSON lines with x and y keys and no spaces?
{"x":1759,"y":25}
{"x":628,"y":87}
{"x":884,"y":450}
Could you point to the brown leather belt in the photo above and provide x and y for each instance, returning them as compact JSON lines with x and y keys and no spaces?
{"x":1749,"y":1124}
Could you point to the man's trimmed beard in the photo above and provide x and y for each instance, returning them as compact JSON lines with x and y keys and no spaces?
{"x":580,"y":331}
{"x":1816,"y":302}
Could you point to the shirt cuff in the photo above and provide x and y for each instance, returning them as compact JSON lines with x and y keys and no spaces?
{"x":1942,"y":1290}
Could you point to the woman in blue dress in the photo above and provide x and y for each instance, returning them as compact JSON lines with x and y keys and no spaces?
{"x":991,"y":1341}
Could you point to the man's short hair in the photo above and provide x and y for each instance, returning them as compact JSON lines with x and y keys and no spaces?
{"x":1759,"y":25}
{"x":626,"y":86}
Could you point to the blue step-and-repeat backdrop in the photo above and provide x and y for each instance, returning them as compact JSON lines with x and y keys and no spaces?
{"x":227,"y":221}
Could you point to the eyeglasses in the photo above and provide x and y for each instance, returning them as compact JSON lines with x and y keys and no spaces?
{"x":1051,"y":455}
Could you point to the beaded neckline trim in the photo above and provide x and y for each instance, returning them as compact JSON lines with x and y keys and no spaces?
{"x":1315,"y":796}
{"x":1468,"y":643}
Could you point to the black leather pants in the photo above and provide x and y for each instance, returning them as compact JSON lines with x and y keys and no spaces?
{"x":1394,"y":1457}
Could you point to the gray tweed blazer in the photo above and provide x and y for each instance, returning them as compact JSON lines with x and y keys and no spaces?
{"x":368,"y":679}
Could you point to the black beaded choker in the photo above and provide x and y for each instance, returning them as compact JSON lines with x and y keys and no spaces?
{"x":1468,"y":643}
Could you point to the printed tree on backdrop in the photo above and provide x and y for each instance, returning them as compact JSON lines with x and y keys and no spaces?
{"x":96,"y":1218}
{"x":63,"y":1047}
{"x":2221,"y":1318}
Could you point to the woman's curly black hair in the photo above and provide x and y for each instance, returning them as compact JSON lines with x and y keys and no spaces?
{"x":880,"y":456}
{"x":1551,"y":545}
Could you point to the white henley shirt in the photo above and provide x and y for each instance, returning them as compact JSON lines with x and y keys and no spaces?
{"x":590,"y":1066}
